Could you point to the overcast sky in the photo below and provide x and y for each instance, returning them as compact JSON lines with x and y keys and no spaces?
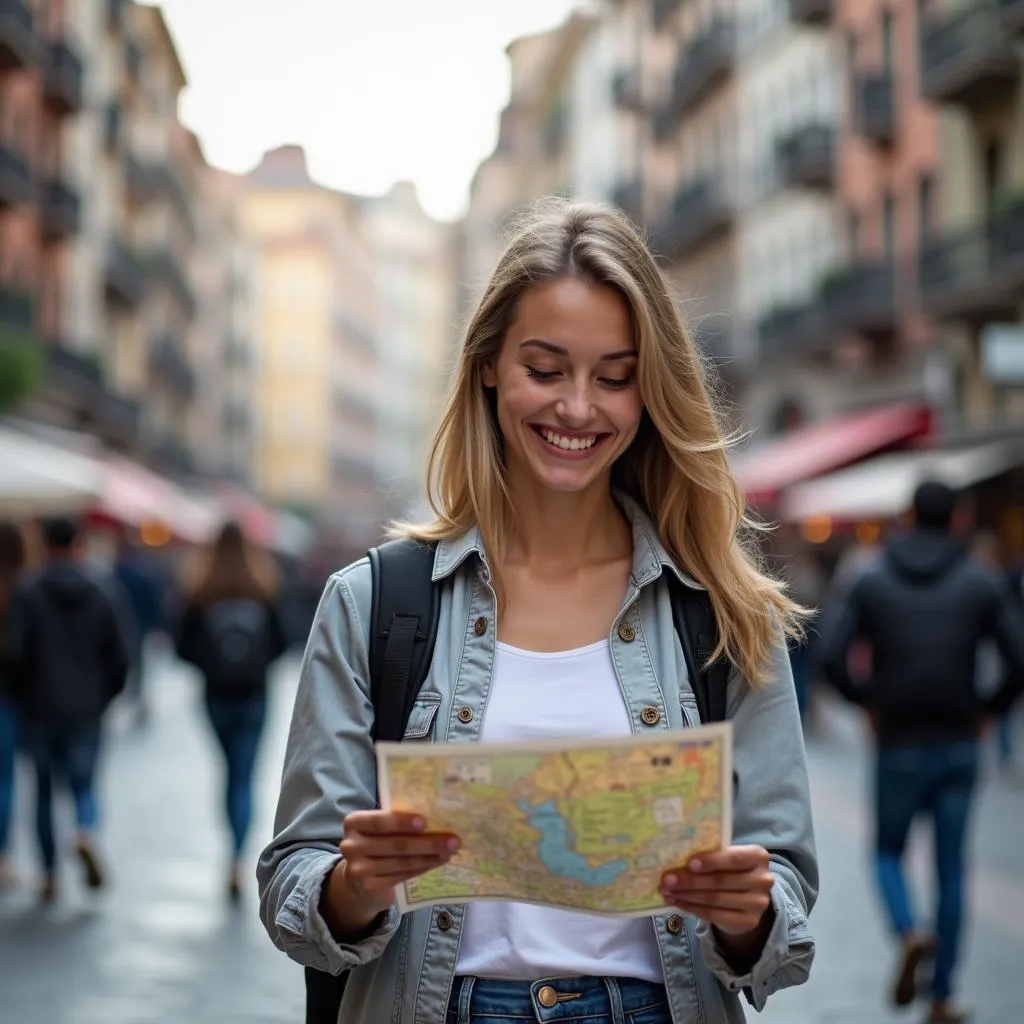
{"x":375,"y":90}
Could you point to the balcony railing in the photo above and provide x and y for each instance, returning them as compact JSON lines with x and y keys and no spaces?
{"x":966,"y":57}
{"x":811,"y":12}
{"x":794,"y":329}
{"x":628,"y":197}
{"x":18,"y":45}
{"x":62,"y":211}
{"x":662,"y":11}
{"x":16,"y":308}
{"x":976,"y":273}
{"x":876,"y":107}
{"x":167,"y":267}
{"x":62,"y":78}
{"x":806,"y":157}
{"x":16,"y":184}
{"x":1012,"y":13}
{"x":701,"y":212}
{"x":627,"y":90}
{"x":707,"y":61}
{"x":169,"y":365}
{"x":862,"y":298}
{"x":125,"y":274}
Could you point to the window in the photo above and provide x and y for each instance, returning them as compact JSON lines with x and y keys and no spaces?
{"x":889,"y":225}
{"x":853,"y":234}
{"x":925,"y":205}
{"x":993,"y":174}
{"x":887,"y":25}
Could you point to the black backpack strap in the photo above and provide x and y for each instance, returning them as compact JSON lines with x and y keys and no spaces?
{"x":403,"y":627}
{"x":694,"y":619}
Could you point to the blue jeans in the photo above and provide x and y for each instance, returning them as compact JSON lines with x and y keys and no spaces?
{"x":238,"y":725}
{"x":8,"y":747}
{"x":596,"y":1000}
{"x":937,"y":780}
{"x":67,"y":753}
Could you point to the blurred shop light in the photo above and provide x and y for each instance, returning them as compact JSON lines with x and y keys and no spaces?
{"x":817,"y":529}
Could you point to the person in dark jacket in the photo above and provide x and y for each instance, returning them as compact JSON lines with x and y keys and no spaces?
{"x":231,"y":630}
{"x":12,"y":563}
{"x":71,"y":661}
{"x":924,"y":608}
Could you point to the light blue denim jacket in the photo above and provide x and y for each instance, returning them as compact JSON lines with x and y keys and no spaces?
{"x":403,"y":972}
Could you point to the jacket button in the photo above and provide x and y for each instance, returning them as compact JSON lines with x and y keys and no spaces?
{"x":480,"y":626}
{"x":650,"y":715}
{"x":627,"y":633}
{"x":444,"y":921}
{"x":674,"y":924}
{"x":465,"y":714}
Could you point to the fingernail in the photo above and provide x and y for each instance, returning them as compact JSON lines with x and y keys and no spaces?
{"x":671,"y":880}
{"x":419,"y":824}
{"x":696,"y":865}
{"x":454,"y":845}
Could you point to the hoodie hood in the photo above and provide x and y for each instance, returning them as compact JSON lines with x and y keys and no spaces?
{"x":923,"y":556}
{"x":65,"y":584}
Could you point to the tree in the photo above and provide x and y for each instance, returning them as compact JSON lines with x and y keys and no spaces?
{"x":21,"y":366}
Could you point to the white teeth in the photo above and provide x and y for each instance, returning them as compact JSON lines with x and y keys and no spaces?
{"x":571,"y":444}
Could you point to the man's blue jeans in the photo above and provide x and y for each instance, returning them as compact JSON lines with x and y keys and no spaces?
{"x":238,"y":725}
{"x":66,"y":753}
{"x":937,"y":780}
{"x":8,"y":748}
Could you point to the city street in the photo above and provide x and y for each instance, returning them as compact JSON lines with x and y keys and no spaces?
{"x":163,"y":945}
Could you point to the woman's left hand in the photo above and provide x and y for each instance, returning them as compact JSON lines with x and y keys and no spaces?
{"x":730,"y":889}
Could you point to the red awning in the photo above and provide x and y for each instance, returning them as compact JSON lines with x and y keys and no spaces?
{"x":830,"y":445}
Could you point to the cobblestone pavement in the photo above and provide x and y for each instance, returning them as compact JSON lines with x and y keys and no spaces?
{"x":163,"y":946}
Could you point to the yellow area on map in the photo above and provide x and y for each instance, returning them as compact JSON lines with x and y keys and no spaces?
{"x":583,"y":825}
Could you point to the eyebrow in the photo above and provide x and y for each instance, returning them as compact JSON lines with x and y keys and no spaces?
{"x":557,"y":350}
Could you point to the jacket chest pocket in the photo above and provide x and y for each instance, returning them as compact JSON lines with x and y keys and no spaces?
{"x":688,"y":707}
{"x":420,"y":726}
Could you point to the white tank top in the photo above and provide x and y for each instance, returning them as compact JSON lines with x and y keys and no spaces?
{"x":546,"y":696}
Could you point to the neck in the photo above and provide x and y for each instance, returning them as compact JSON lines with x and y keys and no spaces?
{"x":557,"y":530}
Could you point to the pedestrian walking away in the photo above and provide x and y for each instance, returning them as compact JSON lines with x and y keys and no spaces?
{"x":70,"y":660}
{"x":230,"y":629}
{"x":579,"y":481}
{"x":925,"y":608}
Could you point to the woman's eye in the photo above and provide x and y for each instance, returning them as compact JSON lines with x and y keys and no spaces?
{"x":617,"y":382}
{"x":541,"y":374}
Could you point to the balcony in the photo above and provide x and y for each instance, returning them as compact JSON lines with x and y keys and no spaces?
{"x":62,"y":211}
{"x":976,"y":274}
{"x":62,"y":79}
{"x":168,"y":268}
{"x":662,"y":12}
{"x":875,"y":115}
{"x":861,"y":298}
{"x":171,"y":454}
{"x":708,"y":60}
{"x":811,"y":12}
{"x":1012,"y":13}
{"x":628,"y":196}
{"x":125,"y":275}
{"x":806,"y":158}
{"x":794,"y":329}
{"x":16,"y":308}
{"x":966,"y":58}
{"x":169,"y":365}
{"x":700,"y":213}
{"x":16,"y":184}
{"x":18,"y":45}
{"x":627,"y":90}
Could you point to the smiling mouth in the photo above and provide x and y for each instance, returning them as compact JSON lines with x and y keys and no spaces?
{"x":569,"y":442}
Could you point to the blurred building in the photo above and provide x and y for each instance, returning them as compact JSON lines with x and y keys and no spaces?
{"x":316,"y":372}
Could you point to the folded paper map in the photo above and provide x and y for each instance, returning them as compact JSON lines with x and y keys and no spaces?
{"x":587,"y":825}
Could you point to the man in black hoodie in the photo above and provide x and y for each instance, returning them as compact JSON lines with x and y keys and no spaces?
{"x":71,"y":661}
{"x":923,"y":608}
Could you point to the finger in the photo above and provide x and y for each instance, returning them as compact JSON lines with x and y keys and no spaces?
{"x":370,"y":823}
{"x":734,"y":858}
{"x":434,"y":844}
{"x":742,"y":902}
{"x":370,"y":874}
{"x":758,"y":880}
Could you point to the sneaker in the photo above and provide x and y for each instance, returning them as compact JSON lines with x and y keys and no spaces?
{"x":94,"y":877}
{"x":915,"y":949}
{"x":943,"y":1013}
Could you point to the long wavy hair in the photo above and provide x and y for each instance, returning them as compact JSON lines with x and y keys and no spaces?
{"x":676,"y":468}
{"x":230,"y":568}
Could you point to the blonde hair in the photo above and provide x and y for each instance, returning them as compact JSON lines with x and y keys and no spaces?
{"x":676,"y":468}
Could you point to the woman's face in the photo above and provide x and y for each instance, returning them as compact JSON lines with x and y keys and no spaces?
{"x":568,"y":401}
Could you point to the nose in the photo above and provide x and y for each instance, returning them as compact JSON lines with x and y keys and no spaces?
{"x":574,"y":406}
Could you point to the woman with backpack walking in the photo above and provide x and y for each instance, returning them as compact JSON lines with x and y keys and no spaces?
{"x":230,"y":629}
{"x":578,"y":467}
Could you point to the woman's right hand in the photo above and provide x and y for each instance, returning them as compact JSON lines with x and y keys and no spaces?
{"x":380,"y":850}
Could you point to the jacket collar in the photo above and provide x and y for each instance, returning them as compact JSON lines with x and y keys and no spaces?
{"x":650,"y":558}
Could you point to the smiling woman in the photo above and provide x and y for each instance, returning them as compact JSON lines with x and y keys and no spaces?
{"x":578,"y":464}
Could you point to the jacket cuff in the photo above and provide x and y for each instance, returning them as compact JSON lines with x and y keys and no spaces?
{"x":785,"y":959}
{"x":305,"y":935}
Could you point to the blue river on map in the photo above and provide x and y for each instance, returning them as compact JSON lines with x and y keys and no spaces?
{"x":554,"y":850}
